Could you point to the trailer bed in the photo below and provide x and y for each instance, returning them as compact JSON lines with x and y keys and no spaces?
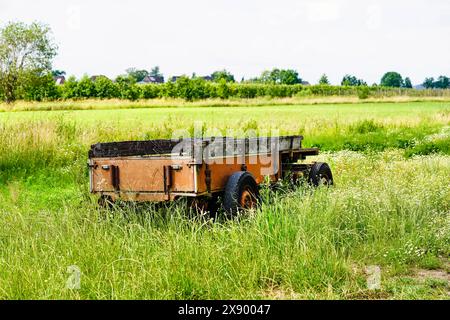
{"x":163,"y":170}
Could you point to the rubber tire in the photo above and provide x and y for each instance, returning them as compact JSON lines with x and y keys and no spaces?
{"x":233,"y":191}
{"x":318,"y":171}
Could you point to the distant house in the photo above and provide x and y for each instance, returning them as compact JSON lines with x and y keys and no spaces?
{"x":305,"y":83}
{"x":207,"y":78}
{"x":174,"y":78}
{"x":59,"y":80}
{"x":153,"y":79}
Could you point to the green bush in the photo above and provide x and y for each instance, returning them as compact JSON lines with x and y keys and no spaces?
{"x":151,"y":91}
{"x":40,"y":88}
{"x":128,"y":88}
{"x":69,"y":88}
{"x":85,"y":88}
{"x":363,"y":92}
{"x":190,"y":89}
{"x":106,"y":88}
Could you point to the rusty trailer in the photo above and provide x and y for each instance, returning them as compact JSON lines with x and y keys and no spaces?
{"x":201,"y":169}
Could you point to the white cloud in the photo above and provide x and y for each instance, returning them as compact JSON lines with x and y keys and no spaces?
{"x":323,"y":10}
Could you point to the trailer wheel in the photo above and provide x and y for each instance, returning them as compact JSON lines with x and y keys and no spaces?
{"x":241,"y":193}
{"x":320,"y":174}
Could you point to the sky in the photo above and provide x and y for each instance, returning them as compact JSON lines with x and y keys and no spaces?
{"x":362,"y":38}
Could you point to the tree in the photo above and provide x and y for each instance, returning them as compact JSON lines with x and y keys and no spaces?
{"x":289,"y":76}
{"x":217,"y":76}
{"x":155,"y":72}
{"x":138,"y":75}
{"x":324,"y":80}
{"x":442,"y":82}
{"x":25,"y":51}
{"x":279,"y":76}
{"x":105,"y":88}
{"x":392,"y":79}
{"x":39,"y":87}
{"x":58,"y":73}
{"x":428,"y":83}
{"x":407,"y":83}
{"x":349,"y":80}
{"x":127,"y":87}
{"x":69,"y":88}
{"x":86,"y":88}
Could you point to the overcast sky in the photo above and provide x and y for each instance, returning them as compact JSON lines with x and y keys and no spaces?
{"x":364,"y":38}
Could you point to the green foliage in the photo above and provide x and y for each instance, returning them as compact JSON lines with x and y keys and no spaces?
{"x":365,"y":126}
{"x":69,"y":88}
{"x":428,"y":83}
{"x":85,"y":88}
{"x":223,"y":90}
{"x":137,"y":75}
{"x":442,"y":82}
{"x":408,"y":83}
{"x":151,"y":91}
{"x":190,"y":89}
{"x":105,"y":88}
{"x":25,"y":52}
{"x":324,"y":80}
{"x":184,"y":88}
{"x":363,"y":92}
{"x":217,"y":76}
{"x":40,"y":87}
{"x":57,"y":73}
{"x":289,"y":77}
{"x":392,"y":79}
{"x":352,"y":81}
{"x":127,"y":88}
{"x":155,"y":72}
{"x":279,"y":76}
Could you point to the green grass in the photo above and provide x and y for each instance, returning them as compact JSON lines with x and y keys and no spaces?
{"x":390,"y":207}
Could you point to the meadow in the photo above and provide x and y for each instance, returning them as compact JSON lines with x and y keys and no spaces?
{"x":390,"y":206}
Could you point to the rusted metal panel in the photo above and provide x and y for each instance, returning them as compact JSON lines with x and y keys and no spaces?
{"x":141,"y":175}
{"x":260,"y":166}
{"x":162,"y":170}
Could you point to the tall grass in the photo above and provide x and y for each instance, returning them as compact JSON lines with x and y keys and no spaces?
{"x":390,"y":207}
{"x":117,"y":104}
{"x":301,"y":244}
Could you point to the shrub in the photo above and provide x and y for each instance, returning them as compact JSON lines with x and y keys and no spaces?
{"x":106,"y":88}
{"x":363,"y":92}
{"x":69,"y":89}
{"x":223,"y":90}
{"x":150,"y":91}
{"x":128,"y":88}
{"x":85,"y":88}
{"x":40,"y":88}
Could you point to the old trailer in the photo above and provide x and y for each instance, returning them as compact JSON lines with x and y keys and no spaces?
{"x":201,"y":169}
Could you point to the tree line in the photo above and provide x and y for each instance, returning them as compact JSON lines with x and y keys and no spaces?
{"x":27,"y":51}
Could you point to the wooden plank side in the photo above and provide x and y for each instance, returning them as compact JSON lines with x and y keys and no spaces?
{"x":186,"y":146}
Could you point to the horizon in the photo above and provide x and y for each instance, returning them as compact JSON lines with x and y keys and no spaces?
{"x":313,"y":37}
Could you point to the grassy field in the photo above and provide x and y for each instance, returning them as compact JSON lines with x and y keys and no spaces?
{"x":390,"y":207}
